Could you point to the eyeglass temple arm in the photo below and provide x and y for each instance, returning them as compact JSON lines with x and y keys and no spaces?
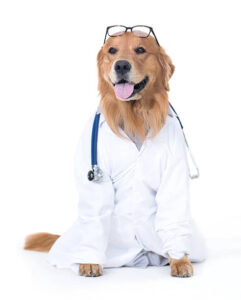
{"x":106,"y":33}
{"x":155,"y":36}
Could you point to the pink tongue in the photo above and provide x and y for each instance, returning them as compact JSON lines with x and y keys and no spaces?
{"x":123,"y":90}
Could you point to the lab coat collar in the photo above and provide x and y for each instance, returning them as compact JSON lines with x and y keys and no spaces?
{"x":102,"y":117}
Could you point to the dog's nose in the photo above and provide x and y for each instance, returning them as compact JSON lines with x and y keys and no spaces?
{"x":122,"y":67}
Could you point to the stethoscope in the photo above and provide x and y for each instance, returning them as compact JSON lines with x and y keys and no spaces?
{"x":96,"y":174}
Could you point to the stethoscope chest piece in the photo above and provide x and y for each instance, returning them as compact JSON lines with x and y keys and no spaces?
{"x":91,"y":175}
{"x":95,"y":174}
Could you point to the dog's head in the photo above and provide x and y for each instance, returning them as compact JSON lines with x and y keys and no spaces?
{"x":132,"y":69}
{"x":132,"y":65}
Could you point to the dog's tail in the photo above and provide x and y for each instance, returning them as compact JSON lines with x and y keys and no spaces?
{"x":41,"y":241}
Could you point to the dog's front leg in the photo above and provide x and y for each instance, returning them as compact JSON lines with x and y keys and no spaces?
{"x":90,"y":270}
{"x":181,"y":267}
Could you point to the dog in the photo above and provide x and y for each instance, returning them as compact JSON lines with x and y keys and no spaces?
{"x":133,"y":83}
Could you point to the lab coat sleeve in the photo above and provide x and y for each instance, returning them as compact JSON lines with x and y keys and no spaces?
{"x":86,"y":241}
{"x":172,"y":222}
{"x":96,"y":199}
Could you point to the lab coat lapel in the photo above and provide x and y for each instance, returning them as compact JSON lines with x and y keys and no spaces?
{"x":103,"y":123}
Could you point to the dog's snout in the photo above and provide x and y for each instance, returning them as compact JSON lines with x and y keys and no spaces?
{"x":122,"y":67}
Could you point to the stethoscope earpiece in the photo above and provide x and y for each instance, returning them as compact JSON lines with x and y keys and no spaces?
{"x":192,"y":176}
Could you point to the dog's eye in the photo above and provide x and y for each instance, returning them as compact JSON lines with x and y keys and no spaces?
{"x":140,"y":50}
{"x":112,"y":50}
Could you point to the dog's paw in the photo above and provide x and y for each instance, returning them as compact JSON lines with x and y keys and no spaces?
{"x":181,"y":267}
{"x":90,"y":270}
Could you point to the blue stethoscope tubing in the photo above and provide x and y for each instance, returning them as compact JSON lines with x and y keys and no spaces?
{"x":94,"y":139}
{"x":96,"y":174}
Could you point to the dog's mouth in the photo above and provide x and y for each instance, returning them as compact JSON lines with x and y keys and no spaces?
{"x":125,"y":89}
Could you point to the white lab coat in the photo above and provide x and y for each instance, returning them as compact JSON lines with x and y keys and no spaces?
{"x":142,"y":204}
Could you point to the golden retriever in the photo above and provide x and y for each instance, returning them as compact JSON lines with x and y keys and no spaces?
{"x":136,"y":69}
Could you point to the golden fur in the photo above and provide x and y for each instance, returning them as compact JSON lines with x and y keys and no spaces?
{"x":147,"y":110}
{"x":41,"y":241}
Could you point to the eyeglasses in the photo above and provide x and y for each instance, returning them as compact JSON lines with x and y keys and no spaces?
{"x":141,"y":31}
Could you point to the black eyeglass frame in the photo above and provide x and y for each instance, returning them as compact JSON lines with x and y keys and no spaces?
{"x":131,"y":29}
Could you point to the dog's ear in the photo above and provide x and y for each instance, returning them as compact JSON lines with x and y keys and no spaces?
{"x":167,"y":67}
{"x":102,"y":84}
{"x":100,"y":56}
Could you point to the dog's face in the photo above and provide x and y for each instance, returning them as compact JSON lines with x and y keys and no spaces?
{"x":132,"y":66}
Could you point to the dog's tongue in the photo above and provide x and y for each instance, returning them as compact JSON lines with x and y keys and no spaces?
{"x":123,"y":90}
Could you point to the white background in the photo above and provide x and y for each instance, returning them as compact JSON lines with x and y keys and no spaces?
{"x":48,"y":89}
